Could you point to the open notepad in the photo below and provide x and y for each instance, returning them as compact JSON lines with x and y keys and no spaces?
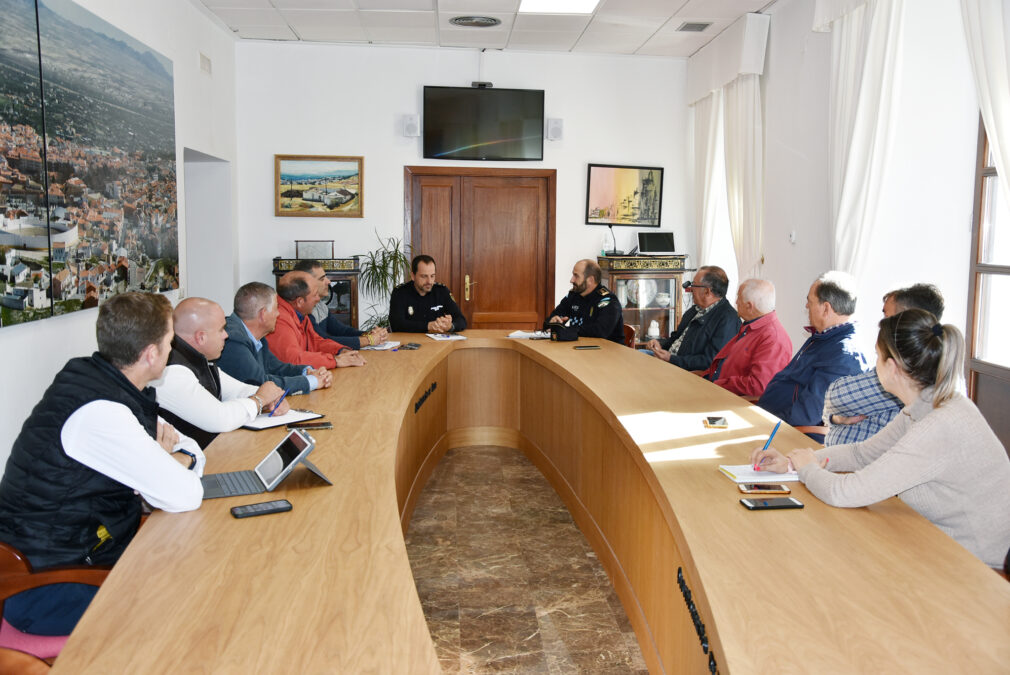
{"x":266,"y":422}
{"x":745,"y":473}
{"x":382,"y":346}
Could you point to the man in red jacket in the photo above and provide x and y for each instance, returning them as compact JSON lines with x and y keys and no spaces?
{"x":294,"y":340}
{"x":760,"y":349}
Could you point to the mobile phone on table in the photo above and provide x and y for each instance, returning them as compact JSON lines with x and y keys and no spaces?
{"x":764,"y":488}
{"x":587,"y":347}
{"x":716,"y":423}
{"x":310,"y":425}
{"x":758,"y":504}
{"x":411,"y":345}
{"x":261,"y":509}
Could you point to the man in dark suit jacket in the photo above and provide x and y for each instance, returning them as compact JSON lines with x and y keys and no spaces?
{"x":705,"y":328}
{"x":246,"y":356}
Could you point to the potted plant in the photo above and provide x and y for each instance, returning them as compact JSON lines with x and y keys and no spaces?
{"x":382,"y":270}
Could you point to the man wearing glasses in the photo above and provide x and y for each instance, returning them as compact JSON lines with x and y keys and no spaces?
{"x":705,"y":328}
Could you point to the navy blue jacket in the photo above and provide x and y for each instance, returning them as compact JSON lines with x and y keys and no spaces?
{"x":705,"y":337}
{"x":796,"y":393}
{"x":241,"y":360}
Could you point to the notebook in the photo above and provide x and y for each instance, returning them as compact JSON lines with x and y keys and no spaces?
{"x":268,"y":474}
{"x":745,"y":473}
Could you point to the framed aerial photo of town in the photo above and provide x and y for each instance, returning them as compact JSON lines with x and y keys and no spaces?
{"x":319,"y":185}
{"x":100,"y":218}
{"x":624,"y":195}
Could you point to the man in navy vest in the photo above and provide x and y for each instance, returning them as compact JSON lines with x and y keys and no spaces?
{"x":90,"y":452}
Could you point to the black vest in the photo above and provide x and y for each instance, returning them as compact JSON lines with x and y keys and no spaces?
{"x":54,"y":509}
{"x":209,"y":378}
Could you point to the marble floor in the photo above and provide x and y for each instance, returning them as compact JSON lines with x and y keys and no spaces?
{"x":506,"y":579}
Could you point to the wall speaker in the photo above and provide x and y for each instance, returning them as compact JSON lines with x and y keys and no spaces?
{"x":555,"y":129}
{"x":411,"y":125}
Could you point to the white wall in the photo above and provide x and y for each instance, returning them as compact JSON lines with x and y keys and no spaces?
{"x":204,"y":120}
{"x":349,"y":100}
{"x":924,"y":230}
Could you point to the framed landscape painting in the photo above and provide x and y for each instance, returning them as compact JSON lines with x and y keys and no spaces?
{"x":624,"y":195}
{"x":318,"y":185}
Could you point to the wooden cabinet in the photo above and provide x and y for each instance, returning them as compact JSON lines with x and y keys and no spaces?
{"x":649,"y":288}
{"x":343,"y":275}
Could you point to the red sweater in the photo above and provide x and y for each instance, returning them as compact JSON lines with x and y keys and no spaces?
{"x":294,"y":340}
{"x":750,"y":360}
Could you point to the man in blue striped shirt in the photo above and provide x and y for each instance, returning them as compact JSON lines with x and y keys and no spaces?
{"x":856,"y":407}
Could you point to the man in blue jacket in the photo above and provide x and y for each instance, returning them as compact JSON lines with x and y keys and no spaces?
{"x":705,"y":328}
{"x":796,"y":393}
{"x":246,"y":356}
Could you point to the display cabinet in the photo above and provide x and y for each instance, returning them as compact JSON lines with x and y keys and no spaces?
{"x":343,"y":276}
{"x":649,"y":288}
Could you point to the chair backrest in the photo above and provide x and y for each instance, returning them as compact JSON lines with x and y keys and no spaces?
{"x":629,"y":336}
{"x":16,"y":574}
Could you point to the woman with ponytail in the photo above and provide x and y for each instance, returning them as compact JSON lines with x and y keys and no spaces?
{"x":938,"y":455}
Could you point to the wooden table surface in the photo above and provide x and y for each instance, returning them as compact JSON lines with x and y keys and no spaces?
{"x":327,"y":587}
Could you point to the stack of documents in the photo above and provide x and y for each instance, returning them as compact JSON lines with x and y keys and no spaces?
{"x":265,"y":421}
{"x":745,"y":473}
{"x":530,"y":335}
{"x":443,"y":337}
{"x":381,"y":347}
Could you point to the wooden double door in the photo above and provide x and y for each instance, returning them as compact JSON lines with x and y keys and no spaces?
{"x":491,"y":233}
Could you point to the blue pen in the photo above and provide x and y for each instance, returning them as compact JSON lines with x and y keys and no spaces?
{"x":281,"y":400}
{"x":769,"y":442}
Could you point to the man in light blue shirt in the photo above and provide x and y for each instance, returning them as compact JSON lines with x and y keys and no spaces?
{"x":246,"y":356}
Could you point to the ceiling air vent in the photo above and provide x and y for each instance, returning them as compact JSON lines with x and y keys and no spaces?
{"x":475,"y":21}
{"x":693,"y":27}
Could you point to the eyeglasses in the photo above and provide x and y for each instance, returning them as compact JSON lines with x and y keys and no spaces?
{"x":689,"y":286}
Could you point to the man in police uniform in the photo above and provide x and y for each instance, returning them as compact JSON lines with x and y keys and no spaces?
{"x":590,"y":307}
{"x":421,"y":305}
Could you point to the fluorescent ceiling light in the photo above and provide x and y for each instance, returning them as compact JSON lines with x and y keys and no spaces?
{"x":558,"y":6}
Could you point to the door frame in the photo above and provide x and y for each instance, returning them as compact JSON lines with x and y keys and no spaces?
{"x":412,"y":230}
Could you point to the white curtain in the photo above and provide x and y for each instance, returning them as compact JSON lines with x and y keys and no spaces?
{"x":986,"y":27}
{"x":865,"y":70}
{"x":707,"y":137}
{"x":745,"y":171}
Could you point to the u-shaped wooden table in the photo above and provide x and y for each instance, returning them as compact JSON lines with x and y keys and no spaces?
{"x":327,"y":587}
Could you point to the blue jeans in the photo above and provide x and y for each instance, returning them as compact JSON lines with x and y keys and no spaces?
{"x":49,"y":610}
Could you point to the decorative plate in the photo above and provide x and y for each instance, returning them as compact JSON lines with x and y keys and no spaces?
{"x":641,"y":292}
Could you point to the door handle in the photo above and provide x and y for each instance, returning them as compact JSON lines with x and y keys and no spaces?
{"x":466,"y":287}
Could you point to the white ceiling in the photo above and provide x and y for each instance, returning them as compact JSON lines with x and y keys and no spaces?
{"x":616,"y":27}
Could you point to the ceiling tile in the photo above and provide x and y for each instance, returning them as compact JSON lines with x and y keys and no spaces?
{"x":397,"y":19}
{"x":314,"y":4}
{"x":674,"y":44}
{"x":628,"y":9}
{"x":541,"y":40}
{"x":385,"y":5}
{"x":238,"y":4}
{"x":319,"y":33}
{"x":607,"y":37}
{"x":403,"y":36}
{"x":266,"y":33}
{"x":552,"y":22}
{"x":329,"y":19}
{"x":236,"y":18}
{"x":488,"y":39}
{"x":478,"y":6}
{"x":721,"y":9}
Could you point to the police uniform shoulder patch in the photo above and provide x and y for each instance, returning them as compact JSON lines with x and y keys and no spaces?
{"x":603,"y":303}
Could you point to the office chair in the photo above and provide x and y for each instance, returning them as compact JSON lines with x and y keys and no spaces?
{"x":629,"y":336}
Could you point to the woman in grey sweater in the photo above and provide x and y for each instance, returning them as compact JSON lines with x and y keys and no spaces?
{"x":939,"y":455}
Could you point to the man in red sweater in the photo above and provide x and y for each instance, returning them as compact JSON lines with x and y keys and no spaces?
{"x":760,"y":348}
{"x":294,"y":340}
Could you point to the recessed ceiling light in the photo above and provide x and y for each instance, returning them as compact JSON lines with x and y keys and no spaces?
{"x":475,"y":21}
{"x":558,"y":6}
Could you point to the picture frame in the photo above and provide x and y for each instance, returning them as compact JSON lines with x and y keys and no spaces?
{"x":624,"y":195}
{"x":313,"y":186}
{"x":314,"y":249}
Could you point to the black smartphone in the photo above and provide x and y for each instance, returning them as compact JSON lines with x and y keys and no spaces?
{"x":261,"y":509}
{"x":310,"y":425}
{"x":776,"y":503}
{"x":586,"y":347}
{"x":411,"y":345}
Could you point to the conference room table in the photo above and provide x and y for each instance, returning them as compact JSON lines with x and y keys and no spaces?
{"x":327,"y":587}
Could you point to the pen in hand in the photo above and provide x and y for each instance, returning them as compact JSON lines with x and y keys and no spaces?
{"x":757,"y":467}
{"x":281,"y":400}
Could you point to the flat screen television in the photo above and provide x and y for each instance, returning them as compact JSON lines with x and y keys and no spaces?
{"x":483,"y":124}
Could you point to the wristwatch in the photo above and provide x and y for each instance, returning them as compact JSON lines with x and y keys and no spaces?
{"x":192,"y":458}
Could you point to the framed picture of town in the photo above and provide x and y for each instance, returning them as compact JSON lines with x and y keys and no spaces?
{"x":319,"y":185}
{"x":87,"y":194}
{"x":624,"y":195}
